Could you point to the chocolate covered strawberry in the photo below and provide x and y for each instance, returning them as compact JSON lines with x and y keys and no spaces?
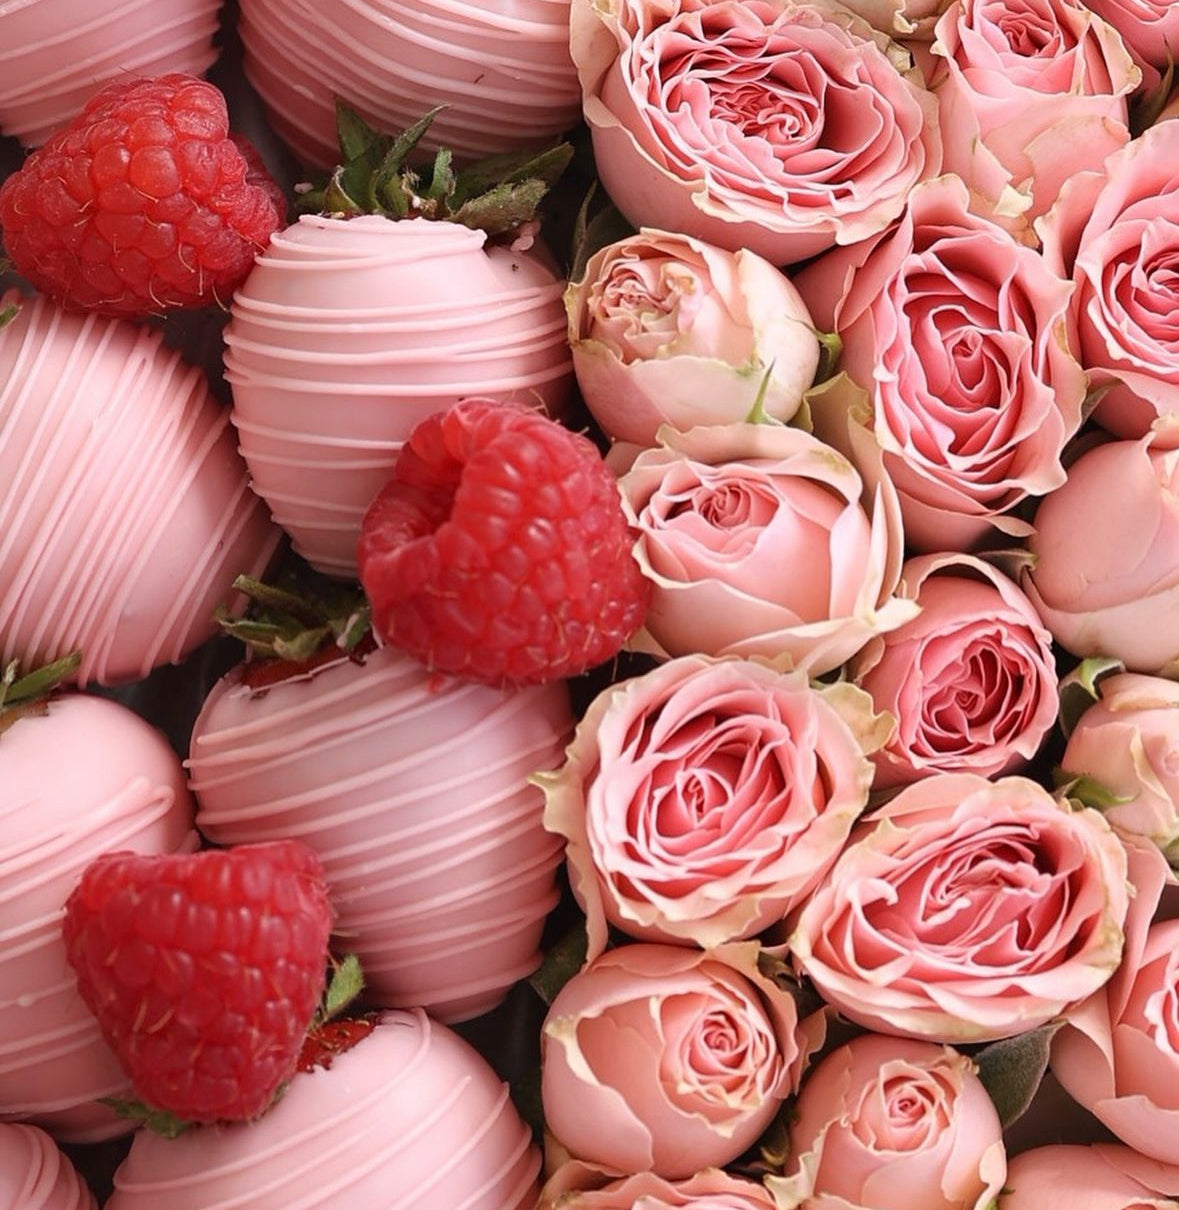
{"x":204,"y":970}
{"x":142,"y":203}
{"x":412,"y":288}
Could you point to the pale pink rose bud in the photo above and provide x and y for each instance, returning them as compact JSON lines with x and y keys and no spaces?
{"x":1128,"y":742}
{"x":667,"y":1059}
{"x":971,"y":681}
{"x":1105,"y":579}
{"x":1118,"y":1055}
{"x":1102,"y":1176}
{"x":578,"y":1186}
{"x":774,"y":125}
{"x":1028,"y":94}
{"x":960,"y":337}
{"x":702,"y":802}
{"x":668,"y":329}
{"x":726,"y":515}
{"x":892,"y":1124}
{"x":1115,"y":232}
{"x":966,"y":910}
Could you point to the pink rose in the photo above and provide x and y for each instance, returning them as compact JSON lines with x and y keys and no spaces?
{"x":1029,"y":92}
{"x":576,"y":1186}
{"x":1118,"y":1053}
{"x":971,"y":680}
{"x":1106,"y":545}
{"x":892,"y":1124}
{"x":1103,"y":1176}
{"x":668,"y":329}
{"x":702,"y":801}
{"x":667,"y":1059}
{"x":1128,"y":741}
{"x":959,"y":335}
{"x":966,"y":910}
{"x":725,"y":517}
{"x":912,"y":19}
{"x":1116,"y":233}
{"x":1149,"y":28}
{"x":771,"y":125}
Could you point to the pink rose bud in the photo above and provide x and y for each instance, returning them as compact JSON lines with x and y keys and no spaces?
{"x":1102,"y":1176}
{"x":577,"y":1186}
{"x":668,"y":1059}
{"x":966,"y":910}
{"x":893,"y":1124}
{"x":1118,"y":1055}
{"x":1028,"y":95}
{"x":1106,"y":545}
{"x":777,"y":126}
{"x":959,"y":336}
{"x":971,"y":681}
{"x":1128,"y":742}
{"x":726,"y":515}
{"x":666,"y":329}
{"x":703,"y":801}
{"x":1115,"y":232}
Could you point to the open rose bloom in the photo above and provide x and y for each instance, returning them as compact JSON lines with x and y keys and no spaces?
{"x":666,"y":329}
{"x":703,"y":801}
{"x":966,"y":910}
{"x":1102,"y":1176}
{"x":578,"y":1186}
{"x":892,"y":1124}
{"x":669,"y":1059}
{"x":772,"y":125}
{"x":726,"y":516}
{"x":960,"y":337}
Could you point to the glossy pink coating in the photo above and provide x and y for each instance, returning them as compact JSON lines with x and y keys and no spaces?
{"x":414,"y":791}
{"x":411,"y":1118}
{"x":501,"y":68}
{"x":349,"y":332}
{"x":35,"y":1175}
{"x":52,"y":60}
{"x":87,"y":777}
{"x":125,"y":511}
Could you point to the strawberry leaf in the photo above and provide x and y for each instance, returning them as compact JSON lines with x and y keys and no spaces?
{"x":345,"y":985}
{"x":159,"y":1121}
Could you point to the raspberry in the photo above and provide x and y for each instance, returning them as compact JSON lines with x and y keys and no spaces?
{"x":204,"y":970}
{"x":499,"y":550}
{"x":142,"y":203}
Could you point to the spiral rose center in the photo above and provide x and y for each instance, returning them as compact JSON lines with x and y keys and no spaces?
{"x":904,"y":1110}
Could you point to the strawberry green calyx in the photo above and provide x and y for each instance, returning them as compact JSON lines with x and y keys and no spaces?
{"x":498,"y":195}
{"x":28,"y":694}
{"x":158,"y":1121}
{"x":300,"y":622}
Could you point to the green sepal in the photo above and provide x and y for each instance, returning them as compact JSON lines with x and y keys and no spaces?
{"x":1011,"y":1069}
{"x":1082,"y":687}
{"x":158,"y":1121}
{"x":19,"y":690}
{"x":8,"y":314}
{"x":345,"y":986}
{"x":1086,"y":791}
{"x":830,"y":355}
{"x":592,"y":234}
{"x":758,"y":413}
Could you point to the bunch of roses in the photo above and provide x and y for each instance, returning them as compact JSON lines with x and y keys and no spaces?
{"x":830,"y":798}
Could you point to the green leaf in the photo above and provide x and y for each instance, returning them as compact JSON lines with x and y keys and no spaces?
{"x":1082,"y":687}
{"x":502,"y":209}
{"x":1011,"y":1069}
{"x":159,"y":1121}
{"x":561,"y":963}
{"x":346,"y":984}
{"x":39,"y":682}
{"x":442,"y":177}
{"x":512,"y":167}
{"x":8,"y":314}
{"x":357,"y":139}
{"x":404,"y":143}
{"x":592,"y":234}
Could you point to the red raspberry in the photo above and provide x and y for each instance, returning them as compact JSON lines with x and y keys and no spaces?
{"x":204,"y":970}
{"x":499,"y":551}
{"x":142,"y":203}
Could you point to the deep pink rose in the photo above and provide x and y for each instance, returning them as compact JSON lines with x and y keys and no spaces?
{"x":959,"y":335}
{"x":966,"y":910}
{"x":971,"y":681}
{"x":577,"y":1186}
{"x":892,"y":1124}
{"x":771,"y":125}
{"x":667,"y":1059}
{"x":1029,"y":92}
{"x":726,"y":515}
{"x":1106,"y":574}
{"x":1128,"y":742}
{"x":1102,"y":1176}
{"x":668,"y":329}
{"x":701,"y":802}
{"x":1116,"y":233}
